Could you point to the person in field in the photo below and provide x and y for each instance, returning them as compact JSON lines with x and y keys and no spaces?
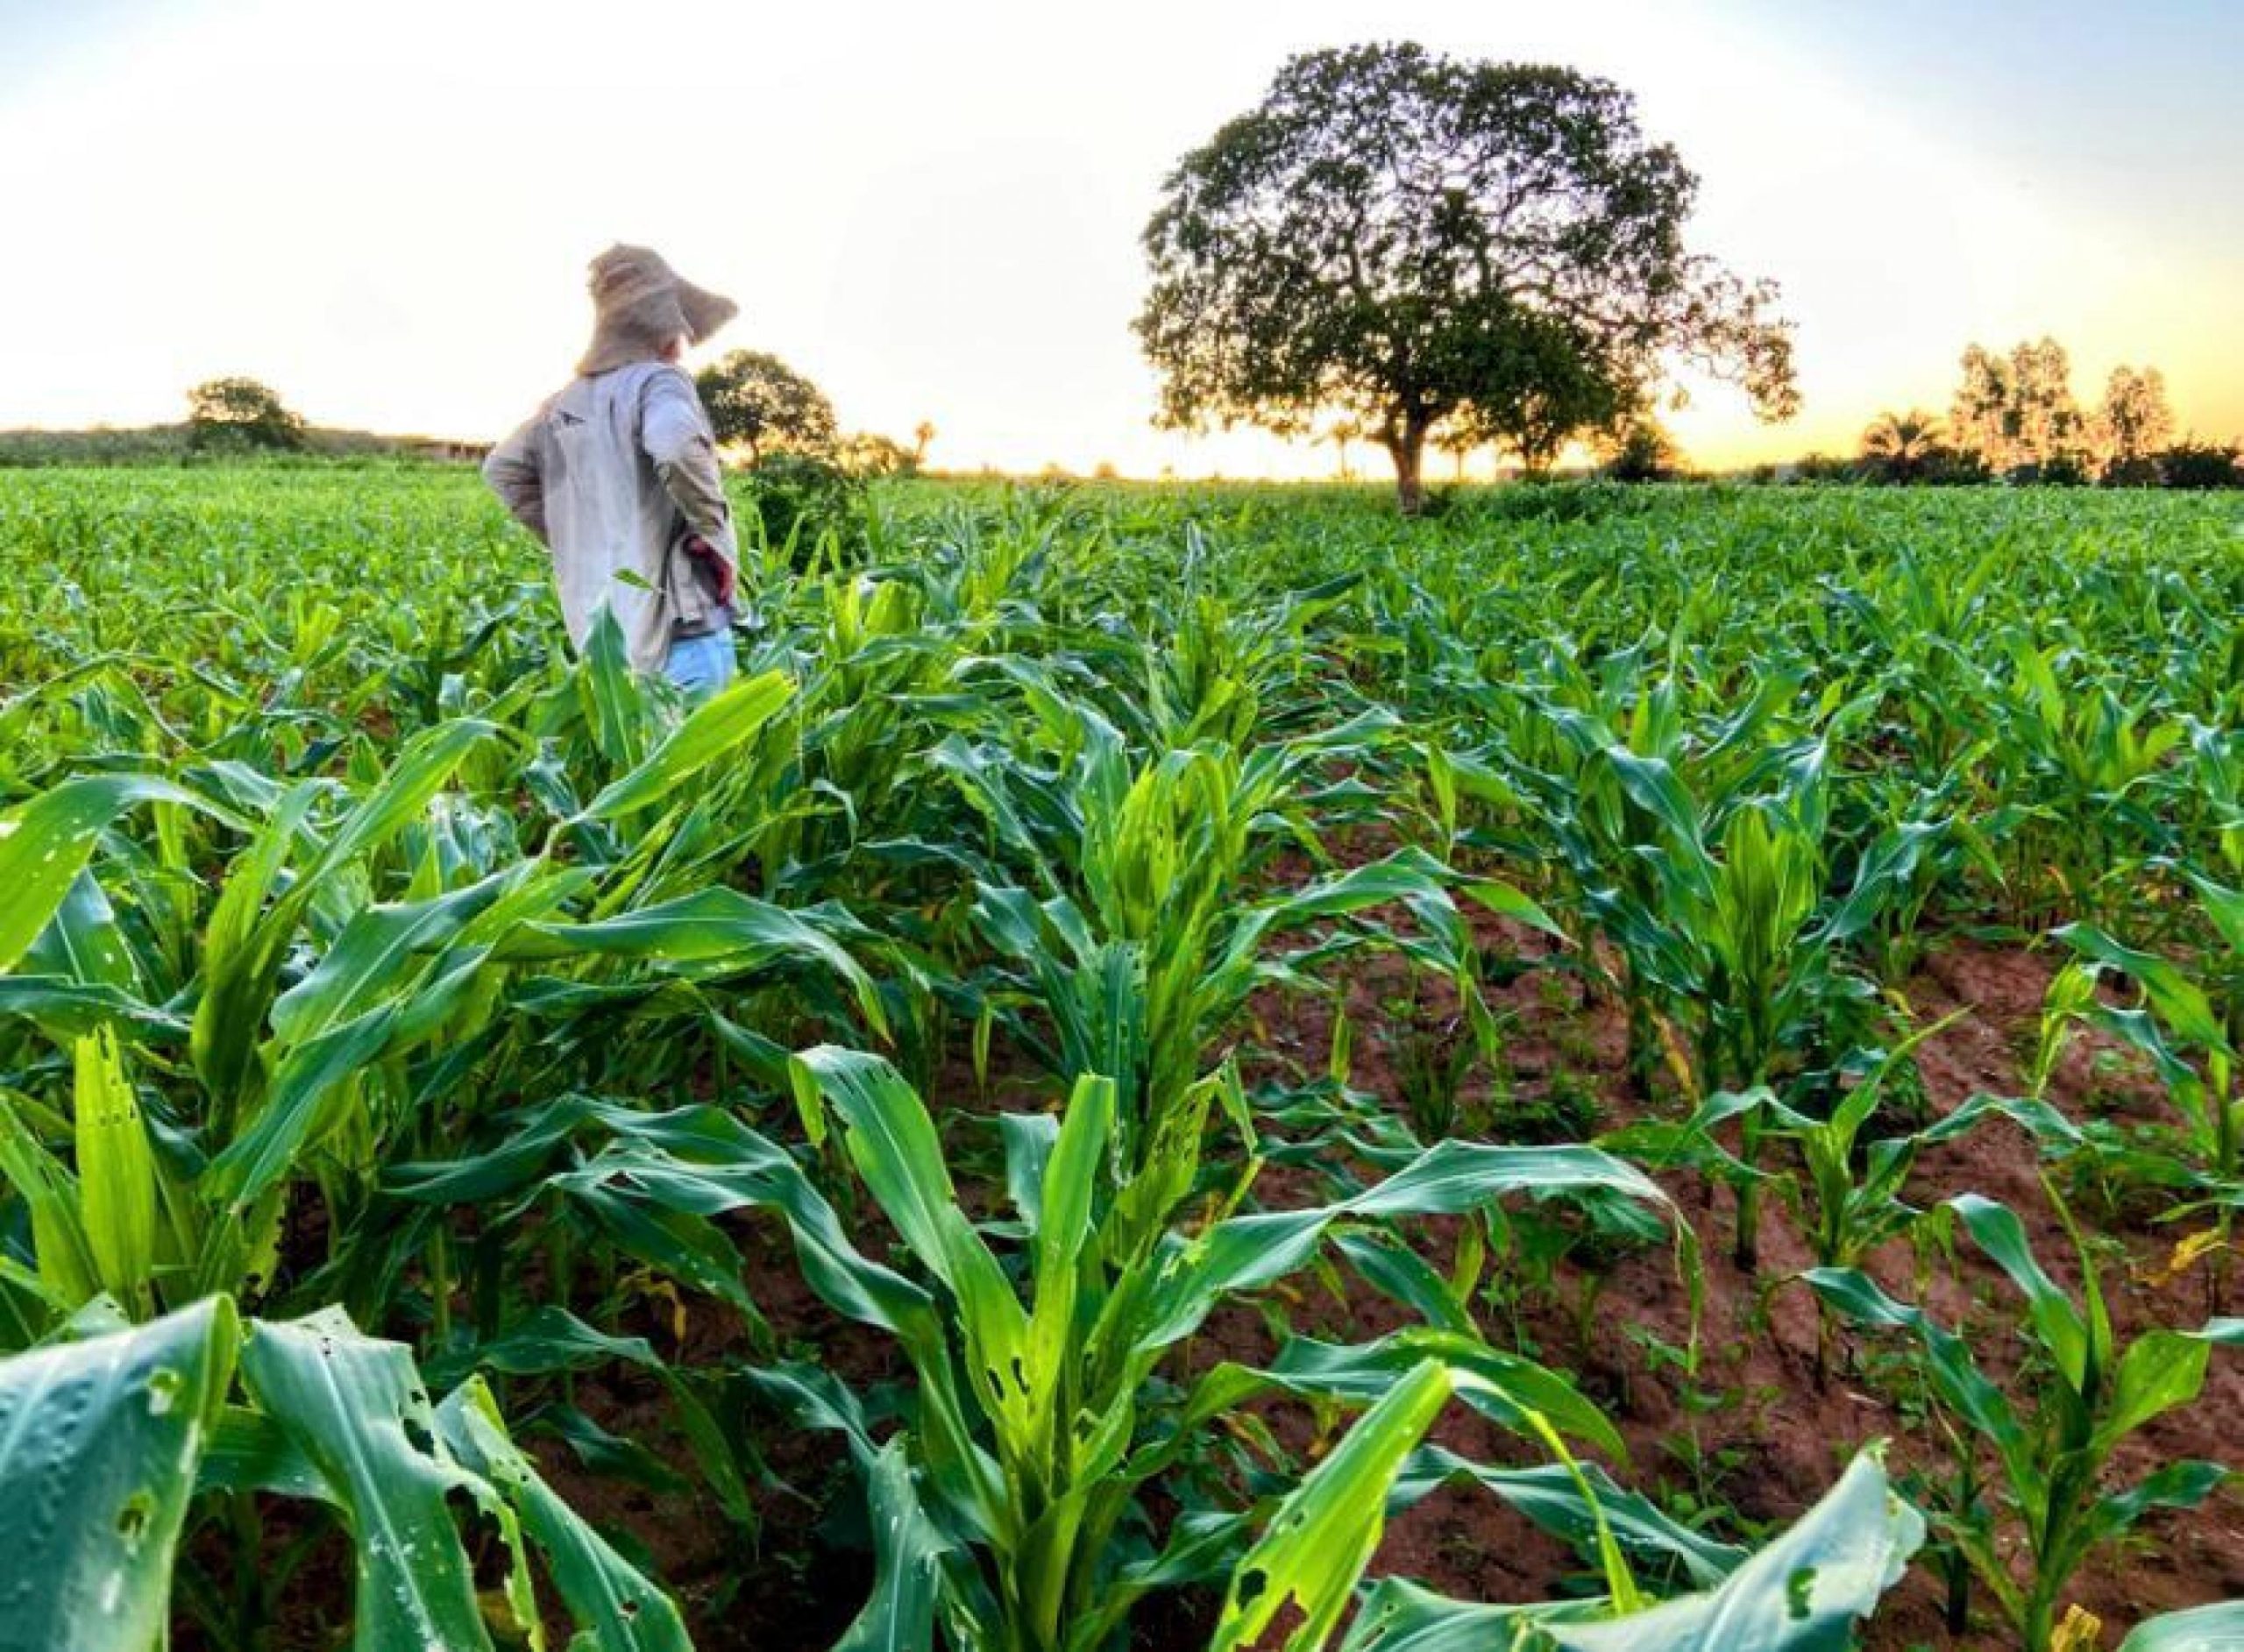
{"x":617,"y":476}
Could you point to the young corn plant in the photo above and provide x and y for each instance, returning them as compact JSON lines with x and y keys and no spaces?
{"x":1745,"y":939}
{"x":1845,"y":1194}
{"x":2191,"y":1030}
{"x":351,"y":981}
{"x":2051,"y":1439}
{"x":1048,"y":1404}
{"x":1150,"y":940}
{"x":122,"y":1443}
{"x":2085,"y":763}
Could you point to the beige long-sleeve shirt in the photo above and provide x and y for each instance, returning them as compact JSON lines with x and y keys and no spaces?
{"x":612,"y":474}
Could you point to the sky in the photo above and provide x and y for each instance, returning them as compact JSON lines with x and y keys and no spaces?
{"x":385,"y":210}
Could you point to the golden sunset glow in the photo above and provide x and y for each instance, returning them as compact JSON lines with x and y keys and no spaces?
{"x":934,"y":211}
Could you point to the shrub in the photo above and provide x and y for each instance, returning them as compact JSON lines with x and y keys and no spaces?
{"x":801,"y":500}
{"x":2199,"y":466}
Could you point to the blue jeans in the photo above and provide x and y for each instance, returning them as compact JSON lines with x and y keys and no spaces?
{"x":700,"y":665}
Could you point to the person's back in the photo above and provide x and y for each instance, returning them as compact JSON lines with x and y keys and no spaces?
{"x":617,"y":475}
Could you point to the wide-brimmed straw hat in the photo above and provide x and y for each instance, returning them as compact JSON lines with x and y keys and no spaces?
{"x":640,"y":304}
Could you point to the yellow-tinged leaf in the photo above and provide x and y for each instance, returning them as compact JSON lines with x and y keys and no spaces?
{"x":2187,"y":1252}
{"x":1678,"y":1062}
{"x":2082,"y":1631}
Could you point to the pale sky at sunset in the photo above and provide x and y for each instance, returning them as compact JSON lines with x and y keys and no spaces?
{"x":934,"y":211}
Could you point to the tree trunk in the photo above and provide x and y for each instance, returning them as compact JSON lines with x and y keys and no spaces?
{"x":1407,"y":447}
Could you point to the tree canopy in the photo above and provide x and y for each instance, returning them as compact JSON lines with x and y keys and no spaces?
{"x":2134,"y":424}
{"x":1904,"y":447}
{"x":240,"y":413}
{"x":1406,"y":239}
{"x":2017,"y":412}
{"x":758,"y":402}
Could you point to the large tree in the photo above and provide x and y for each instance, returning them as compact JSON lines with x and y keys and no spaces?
{"x":758,"y":402}
{"x":2017,"y":412}
{"x":2134,"y":424}
{"x":1408,"y":240}
{"x":240,"y":413}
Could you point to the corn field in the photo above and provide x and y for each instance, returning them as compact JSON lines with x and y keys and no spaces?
{"x":1169,"y":1067}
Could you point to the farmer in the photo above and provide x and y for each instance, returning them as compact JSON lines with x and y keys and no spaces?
{"x":617,"y":477}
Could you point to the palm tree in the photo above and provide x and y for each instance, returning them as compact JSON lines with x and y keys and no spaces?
{"x":1340,"y":432}
{"x":1457,"y":443}
{"x":1901,"y":446}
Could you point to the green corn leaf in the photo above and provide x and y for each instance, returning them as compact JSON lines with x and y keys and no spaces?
{"x":615,"y":701}
{"x":420,"y":769}
{"x":2214,"y":1628}
{"x":242,"y":955}
{"x":45,"y":843}
{"x":117,"y":1174}
{"x":1396,"y":1271}
{"x":618,"y":1608}
{"x":1551,"y":1495}
{"x":299,"y":1109}
{"x":1398,"y":1615}
{"x":82,"y":943}
{"x":892,"y":1141}
{"x":2224,"y":906}
{"x":1963,"y":1386}
{"x":1803,"y":1593}
{"x":1454,"y":1176}
{"x":908,"y":1554}
{"x":355,"y":1409}
{"x":67,"y":1269}
{"x":250,"y":1453}
{"x":1508,"y":1388}
{"x":2179,"y":1002}
{"x":65,"y":1010}
{"x":379,"y":950}
{"x":1071,"y":1178}
{"x":711,"y":732}
{"x":2161,"y":1370}
{"x":711,"y":933}
{"x":1028,"y":1139}
{"x":1999,"y":1232}
{"x":1189,"y":1277}
{"x":99,"y":1444}
{"x":2185,"y":1485}
{"x":1321,"y":1536}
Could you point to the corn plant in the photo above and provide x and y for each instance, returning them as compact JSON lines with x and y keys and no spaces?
{"x":1146,"y":947}
{"x":1739,"y":934}
{"x":1845,"y":1193}
{"x":2052,"y":1438}
{"x":2192,"y":1034}
{"x":333,"y":1028}
{"x":2087,"y":759}
{"x":1803,"y":1592}
{"x":1045,"y":1407}
{"x":116,"y":1443}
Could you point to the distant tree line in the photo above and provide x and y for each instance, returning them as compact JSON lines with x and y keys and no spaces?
{"x":227,"y":420}
{"x":2014,"y":419}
